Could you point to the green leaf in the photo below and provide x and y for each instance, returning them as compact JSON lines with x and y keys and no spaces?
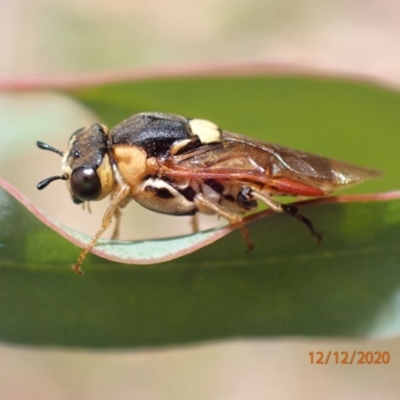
{"x":347,"y":286}
{"x":286,"y":286}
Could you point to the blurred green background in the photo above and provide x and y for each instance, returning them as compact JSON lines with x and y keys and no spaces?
{"x":45,"y":37}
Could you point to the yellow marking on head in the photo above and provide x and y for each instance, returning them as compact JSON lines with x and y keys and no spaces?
{"x":106,"y":176}
{"x":207,"y":131}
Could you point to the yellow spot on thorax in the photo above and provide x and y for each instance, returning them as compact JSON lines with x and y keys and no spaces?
{"x":207,"y":131}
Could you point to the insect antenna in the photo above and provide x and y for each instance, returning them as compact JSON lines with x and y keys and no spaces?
{"x":45,"y":182}
{"x":45,"y":146}
{"x":42,"y":184}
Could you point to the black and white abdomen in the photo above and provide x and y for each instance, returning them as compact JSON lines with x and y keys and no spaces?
{"x":163,"y":195}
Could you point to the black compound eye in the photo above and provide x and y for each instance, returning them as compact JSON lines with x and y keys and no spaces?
{"x":85,"y":184}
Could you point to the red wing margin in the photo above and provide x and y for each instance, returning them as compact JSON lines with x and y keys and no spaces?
{"x":281,"y":169}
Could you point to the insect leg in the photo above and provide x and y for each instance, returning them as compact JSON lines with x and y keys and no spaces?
{"x":294,"y":212}
{"x":195,"y":223}
{"x":117,"y":215}
{"x":120,"y":194}
{"x":288,"y":209}
{"x":205,"y":205}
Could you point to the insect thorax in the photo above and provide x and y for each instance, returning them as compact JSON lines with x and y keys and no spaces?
{"x":157,"y":136}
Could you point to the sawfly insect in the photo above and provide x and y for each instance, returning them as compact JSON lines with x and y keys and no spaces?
{"x":179,"y":166}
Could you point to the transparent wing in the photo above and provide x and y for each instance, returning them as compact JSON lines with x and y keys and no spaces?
{"x":282,"y":169}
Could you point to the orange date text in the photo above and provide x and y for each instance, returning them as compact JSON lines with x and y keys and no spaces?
{"x":349,"y":357}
